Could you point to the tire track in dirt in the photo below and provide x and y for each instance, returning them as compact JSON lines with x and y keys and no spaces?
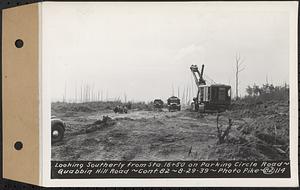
{"x":140,"y":135}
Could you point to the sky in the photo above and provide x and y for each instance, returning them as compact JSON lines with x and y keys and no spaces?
{"x":143,"y":51}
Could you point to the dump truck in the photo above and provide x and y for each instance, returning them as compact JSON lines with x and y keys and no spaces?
{"x":173,"y":104}
{"x":158,"y":104}
{"x":214,"y":97}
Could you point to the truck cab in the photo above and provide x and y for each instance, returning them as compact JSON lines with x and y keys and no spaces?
{"x":213,"y":97}
{"x":173,"y":104}
{"x":158,"y":104}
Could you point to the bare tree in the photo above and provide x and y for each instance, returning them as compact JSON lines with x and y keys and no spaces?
{"x":65,"y":93}
{"x":125,"y":97}
{"x":172,"y":90}
{"x":223,"y":134}
{"x":239,"y":68}
{"x":81,"y":93}
{"x":183,"y":94}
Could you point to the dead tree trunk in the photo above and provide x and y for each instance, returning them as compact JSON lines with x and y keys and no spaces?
{"x":222,"y":135}
{"x":238,"y":69}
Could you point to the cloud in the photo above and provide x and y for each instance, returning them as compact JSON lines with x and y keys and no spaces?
{"x":192,"y":54}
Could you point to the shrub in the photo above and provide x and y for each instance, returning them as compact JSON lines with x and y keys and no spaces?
{"x":267,"y":92}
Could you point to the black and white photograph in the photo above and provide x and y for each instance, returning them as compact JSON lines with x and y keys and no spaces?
{"x":169,"y":81}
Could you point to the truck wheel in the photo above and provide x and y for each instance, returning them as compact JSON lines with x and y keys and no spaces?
{"x":196,"y":107}
{"x":201,"y":108}
{"x":57,"y":133}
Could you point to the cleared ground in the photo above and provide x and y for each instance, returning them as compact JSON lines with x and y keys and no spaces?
{"x":259,"y":132}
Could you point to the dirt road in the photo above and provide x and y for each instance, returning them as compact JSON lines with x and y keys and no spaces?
{"x":139,"y":135}
{"x":184,"y":135}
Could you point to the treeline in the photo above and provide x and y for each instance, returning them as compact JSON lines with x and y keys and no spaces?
{"x":268,"y":92}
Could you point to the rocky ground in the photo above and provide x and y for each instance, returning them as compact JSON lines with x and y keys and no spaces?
{"x":259,"y":131}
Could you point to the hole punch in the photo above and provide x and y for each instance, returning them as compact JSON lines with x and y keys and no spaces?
{"x":18,"y":145}
{"x":19,"y":43}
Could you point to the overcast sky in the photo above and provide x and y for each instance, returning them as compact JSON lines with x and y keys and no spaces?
{"x":144,"y":50}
